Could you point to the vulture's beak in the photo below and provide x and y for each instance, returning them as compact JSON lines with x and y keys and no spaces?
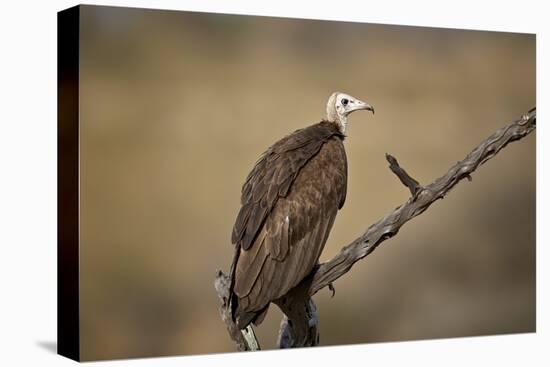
{"x":360,"y":105}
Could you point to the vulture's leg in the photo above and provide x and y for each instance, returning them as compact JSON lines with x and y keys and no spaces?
{"x":299,"y":327}
{"x":302,"y":333}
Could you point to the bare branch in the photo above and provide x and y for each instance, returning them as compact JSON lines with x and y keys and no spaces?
{"x":406,"y":180}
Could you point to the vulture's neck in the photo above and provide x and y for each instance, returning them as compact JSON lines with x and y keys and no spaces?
{"x":335,"y":127}
{"x":340,"y":123}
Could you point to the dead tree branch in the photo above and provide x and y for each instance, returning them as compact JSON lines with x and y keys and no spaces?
{"x":245,"y":339}
{"x":299,"y":327}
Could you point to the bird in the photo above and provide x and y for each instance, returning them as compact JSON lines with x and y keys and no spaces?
{"x":289,"y":202}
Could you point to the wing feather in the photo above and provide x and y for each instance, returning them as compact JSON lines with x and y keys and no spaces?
{"x":255,"y":259}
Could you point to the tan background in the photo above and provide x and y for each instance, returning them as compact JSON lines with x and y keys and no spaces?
{"x":175,"y":109}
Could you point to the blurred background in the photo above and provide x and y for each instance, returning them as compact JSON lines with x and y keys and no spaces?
{"x":177,"y":106}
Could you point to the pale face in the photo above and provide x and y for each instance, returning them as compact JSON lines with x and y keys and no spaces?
{"x":340,"y":105}
{"x":346,"y":104}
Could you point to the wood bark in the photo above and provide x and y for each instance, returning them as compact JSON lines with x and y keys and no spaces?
{"x":299,"y":327}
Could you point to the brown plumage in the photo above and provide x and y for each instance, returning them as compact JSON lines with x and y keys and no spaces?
{"x":289,"y":203}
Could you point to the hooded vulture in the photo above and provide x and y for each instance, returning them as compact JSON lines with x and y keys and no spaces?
{"x":288,"y":205}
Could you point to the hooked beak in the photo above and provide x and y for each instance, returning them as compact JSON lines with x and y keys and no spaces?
{"x":360,"y":105}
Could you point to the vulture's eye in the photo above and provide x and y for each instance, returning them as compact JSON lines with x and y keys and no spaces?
{"x":345,"y":102}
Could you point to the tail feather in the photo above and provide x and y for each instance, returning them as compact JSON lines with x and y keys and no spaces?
{"x":243,"y":319}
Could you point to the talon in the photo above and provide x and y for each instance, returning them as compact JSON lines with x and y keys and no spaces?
{"x":331,"y":288}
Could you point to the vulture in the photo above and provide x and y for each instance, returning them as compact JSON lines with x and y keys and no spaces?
{"x":288,"y":205}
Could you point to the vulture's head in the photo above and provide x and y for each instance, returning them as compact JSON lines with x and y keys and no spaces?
{"x":340,"y":105}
